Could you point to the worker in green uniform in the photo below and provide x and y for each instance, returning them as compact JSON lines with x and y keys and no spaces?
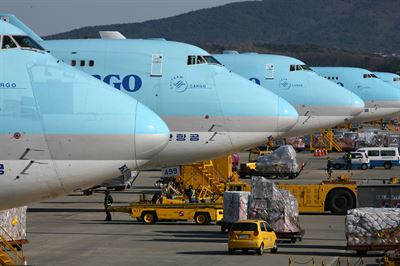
{"x":329,"y":166}
{"x":108,"y":201}
{"x":349,"y":156}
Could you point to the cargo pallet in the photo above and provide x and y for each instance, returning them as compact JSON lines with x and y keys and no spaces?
{"x":293,"y":236}
{"x":363,"y":249}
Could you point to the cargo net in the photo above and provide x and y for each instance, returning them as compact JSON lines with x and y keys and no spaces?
{"x":279,"y":208}
{"x":13,"y":221}
{"x":373,"y":227}
{"x":281,"y":161}
{"x":235,"y":206}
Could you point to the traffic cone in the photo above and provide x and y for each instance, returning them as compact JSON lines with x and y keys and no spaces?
{"x":25,"y":261}
{"x":315,"y":153}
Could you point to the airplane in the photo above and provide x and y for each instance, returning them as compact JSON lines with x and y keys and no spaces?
{"x":321,"y":104}
{"x":391,"y":78}
{"x":210,"y":111}
{"x":381,"y":99}
{"x":61,"y":129}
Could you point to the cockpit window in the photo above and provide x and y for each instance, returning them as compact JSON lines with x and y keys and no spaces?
{"x":396,"y":79}
{"x":27,"y":42}
{"x":300,"y":68}
{"x":370,"y":76}
{"x":211,"y":60}
{"x":8,"y":43}
{"x":199,"y":59}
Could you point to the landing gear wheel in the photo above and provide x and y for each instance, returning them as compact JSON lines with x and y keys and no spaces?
{"x":149,"y":218}
{"x":275,"y":248}
{"x":202,"y":218}
{"x":260,"y":250}
{"x":340,"y":201}
{"x":387,"y":165}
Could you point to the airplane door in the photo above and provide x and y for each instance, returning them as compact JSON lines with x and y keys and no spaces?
{"x":269,"y":71}
{"x":156,"y":65}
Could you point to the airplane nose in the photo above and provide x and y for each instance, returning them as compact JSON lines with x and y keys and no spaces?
{"x":357,"y":104}
{"x":254,"y":113}
{"x":287,"y":115}
{"x":151,"y":134}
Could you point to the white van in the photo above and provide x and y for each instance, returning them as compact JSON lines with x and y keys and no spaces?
{"x":382,"y":156}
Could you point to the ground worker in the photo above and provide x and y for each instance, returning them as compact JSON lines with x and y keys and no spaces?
{"x":191,"y":194}
{"x":108,"y":201}
{"x":329,"y":166}
{"x":349,"y":156}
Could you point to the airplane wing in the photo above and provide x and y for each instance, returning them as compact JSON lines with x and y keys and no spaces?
{"x":111,"y":35}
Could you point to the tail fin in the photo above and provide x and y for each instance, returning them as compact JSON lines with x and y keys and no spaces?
{"x":10,"y":18}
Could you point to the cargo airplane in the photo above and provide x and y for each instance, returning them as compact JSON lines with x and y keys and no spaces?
{"x":61,"y":129}
{"x":321,"y":104}
{"x":381,"y":99}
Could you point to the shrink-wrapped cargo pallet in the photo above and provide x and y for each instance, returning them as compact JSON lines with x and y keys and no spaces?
{"x":13,"y":221}
{"x":281,"y":161}
{"x":277,"y":207}
{"x":235,"y":206}
{"x":373,"y":227}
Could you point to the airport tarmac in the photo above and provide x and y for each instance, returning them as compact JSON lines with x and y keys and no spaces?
{"x":71,"y":231}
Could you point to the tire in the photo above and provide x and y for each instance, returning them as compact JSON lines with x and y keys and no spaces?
{"x":275,"y":248}
{"x":202,"y":218}
{"x":337,"y":166}
{"x":293,"y":240}
{"x":231,"y":251}
{"x":387,"y":165}
{"x":260,"y":250}
{"x":364,"y":166}
{"x":149,"y":217}
{"x":340,"y":201}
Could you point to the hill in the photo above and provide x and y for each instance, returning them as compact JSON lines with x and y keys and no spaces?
{"x":356,"y":25}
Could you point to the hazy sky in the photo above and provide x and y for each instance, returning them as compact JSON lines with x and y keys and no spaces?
{"x":53,"y":16}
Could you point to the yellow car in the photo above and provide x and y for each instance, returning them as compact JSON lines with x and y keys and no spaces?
{"x":252,"y":235}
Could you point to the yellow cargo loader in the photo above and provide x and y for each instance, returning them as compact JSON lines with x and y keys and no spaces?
{"x":201,"y":213}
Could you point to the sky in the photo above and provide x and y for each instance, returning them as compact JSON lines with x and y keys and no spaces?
{"x":53,"y":16}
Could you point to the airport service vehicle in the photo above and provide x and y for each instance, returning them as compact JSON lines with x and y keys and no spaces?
{"x":149,"y":213}
{"x":381,"y":99}
{"x":359,"y":160}
{"x":255,"y":235}
{"x":391,"y":78}
{"x":210,"y":111}
{"x":321,"y":104}
{"x":386,"y":157}
{"x":337,"y":196}
{"x":55,"y":137}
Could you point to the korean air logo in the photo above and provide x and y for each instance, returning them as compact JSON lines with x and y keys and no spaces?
{"x":1,"y":169}
{"x":130,"y":83}
{"x":179,"y":84}
{"x":255,"y":80}
{"x":285,"y":84}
